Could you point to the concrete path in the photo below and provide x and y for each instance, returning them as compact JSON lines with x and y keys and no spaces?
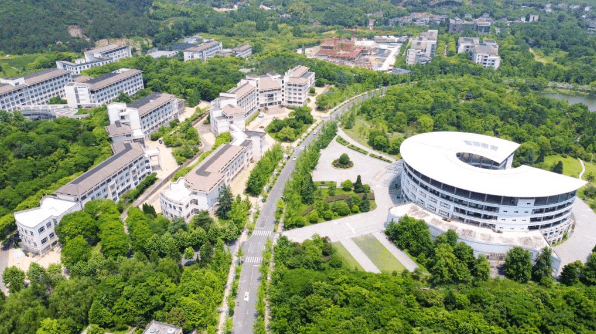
{"x":583,"y":168}
{"x":398,"y":253}
{"x":359,"y":255}
{"x":583,"y":238}
{"x":345,"y":136}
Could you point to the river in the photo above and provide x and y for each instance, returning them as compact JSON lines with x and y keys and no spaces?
{"x":590,"y":101}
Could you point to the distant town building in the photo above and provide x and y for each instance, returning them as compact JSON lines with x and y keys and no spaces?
{"x":96,"y":57}
{"x":142,"y":118}
{"x":33,"y":89}
{"x":89,"y":92}
{"x":339,"y":49}
{"x":485,"y":53}
{"x":419,"y":19}
{"x":243,"y":50}
{"x":156,"y":327}
{"x":203,"y":51}
{"x":534,"y":18}
{"x":49,"y":111}
{"x":110,"y":179}
{"x":196,"y":39}
{"x":423,"y":48}
{"x":161,"y":53}
{"x":481,"y":25}
{"x":200,"y":188}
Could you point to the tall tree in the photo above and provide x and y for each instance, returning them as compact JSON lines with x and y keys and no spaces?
{"x":518,"y":264}
{"x":14,"y":279}
{"x":358,"y":187}
{"x":571,"y":272}
{"x":543,"y":267}
{"x":307,"y":192}
{"x":481,"y":270}
{"x":364,"y":204}
{"x":589,"y":273}
{"x":225,"y":200}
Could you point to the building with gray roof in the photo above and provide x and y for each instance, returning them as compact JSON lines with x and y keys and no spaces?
{"x":202,"y":51}
{"x":33,"y":89}
{"x":90,"y":92}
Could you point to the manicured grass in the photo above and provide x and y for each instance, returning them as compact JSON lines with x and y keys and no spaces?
{"x":571,"y":166}
{"x":378,"y":254}
{"x":360,"y":132}
{"x":346,"y":257}
{"x":16,"y":65}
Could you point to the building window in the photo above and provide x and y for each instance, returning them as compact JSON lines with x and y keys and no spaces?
{"x":52,"y":235}
{"x":44,"y":240}
{"x":41,"y":229}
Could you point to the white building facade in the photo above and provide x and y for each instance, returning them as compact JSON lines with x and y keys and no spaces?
{"x":203,"y":51}
{"x":110,"y":179}
{"x":36,"y":226}
{"x":485,"y":53}
{"x":144,"y":117}
{"x":243,"y":50}
{"x":469,"y":178}
{"x":33,"y":89}
{"x":90,"y":92}
{"x":96,"y":57}
{"x":423,"y":48}
{"x":200,"y":188}
{"x":297,"y":82}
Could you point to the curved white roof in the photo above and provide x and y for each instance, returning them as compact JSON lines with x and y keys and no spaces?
{"x":434,"y":155}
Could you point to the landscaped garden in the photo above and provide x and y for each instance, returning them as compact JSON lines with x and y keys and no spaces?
{"x":343,"y":162}
{"x":331,"y":202}
{"x":287,"y":130}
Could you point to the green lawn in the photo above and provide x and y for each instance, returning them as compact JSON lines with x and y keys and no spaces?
{"x":571,"y":166}
{"x":345,"y":255}
{"x":378,"y":254}
{"x":360,"y":132}
{"x":16,"y":65}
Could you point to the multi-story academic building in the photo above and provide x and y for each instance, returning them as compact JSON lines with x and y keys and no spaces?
{"x":90,"y":92}
{"x":297,"y":82}
{"x":243,"y":50}
{"x":469,"y":178}
{"x":142,"y":118}
{"x":33,"y":89}
{"x":109,"y":179}
{"x":485,"y":53}
{"x":200,"y":188}
{"x":203,"y":51}
{"x":423,"y":48}
{"x":96,"y":57}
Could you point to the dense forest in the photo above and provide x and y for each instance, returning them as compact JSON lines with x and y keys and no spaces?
{"x":38,"y":157}
{"x":541,"y":125}
{"x":313,"y":292}
{"x":119,"y":280}
{"x":39,"y":25}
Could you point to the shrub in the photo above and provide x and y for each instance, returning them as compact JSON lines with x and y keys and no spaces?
{"x":346,"y":185}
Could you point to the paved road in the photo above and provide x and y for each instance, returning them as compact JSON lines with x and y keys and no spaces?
{"x":582,"y":240}
{"x":250,"y":277}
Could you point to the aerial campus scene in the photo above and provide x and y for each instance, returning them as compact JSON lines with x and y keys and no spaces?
{"x":297,"y":166}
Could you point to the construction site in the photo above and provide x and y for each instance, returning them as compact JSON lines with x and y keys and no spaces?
{"x":377,"y":54}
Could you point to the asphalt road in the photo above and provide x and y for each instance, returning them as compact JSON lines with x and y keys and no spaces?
{"x":245,"y":312}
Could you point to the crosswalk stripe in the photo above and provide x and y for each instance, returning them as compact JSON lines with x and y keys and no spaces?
{"x":261,"y":232}
{"x":253,"y":259}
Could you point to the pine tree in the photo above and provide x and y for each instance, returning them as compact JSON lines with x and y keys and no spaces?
{"x":225,"y":200}
{"x":358,"y":187}
{"x":364,"y":204}
{"x":308,"y":191}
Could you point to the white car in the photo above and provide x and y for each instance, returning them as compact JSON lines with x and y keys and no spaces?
{"x":246,"y":296}
{"x":294,"y":158}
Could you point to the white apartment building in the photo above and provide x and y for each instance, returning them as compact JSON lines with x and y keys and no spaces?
{"x":423,"y":48}
{"x":96,"y":57}
{"x":203,"y":51}
{"x":297,"y":82}
{"x":37,"y":226}
{"x":89,"y":92}
{"x":200,"y":188}
{"x":142,"y":118}
{"x":33,"y":89}
{"x":243,"y":50}
{"x":485,"y":53}
{"x":109,"y":179}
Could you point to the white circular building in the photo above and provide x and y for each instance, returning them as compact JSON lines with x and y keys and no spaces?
{"x":468,"y":178}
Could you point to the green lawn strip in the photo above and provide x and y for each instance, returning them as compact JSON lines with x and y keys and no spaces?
{"x":378,"y":254}
{"x":342,"y":141}
{"x":358,"y":149}
{"x":346,"y":257}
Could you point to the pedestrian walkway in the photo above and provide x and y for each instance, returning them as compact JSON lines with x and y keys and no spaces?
{"x":349,"y":139}
{"x":359,"y":256}
{"x":583,"y":237}
{"x":398,"y":253}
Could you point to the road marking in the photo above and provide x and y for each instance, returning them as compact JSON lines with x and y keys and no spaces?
{"x":253,"y":259}
{"x":261,"y":232}
{"x":351,"y":228}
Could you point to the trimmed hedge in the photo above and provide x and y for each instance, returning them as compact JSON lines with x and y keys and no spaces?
{"x":379,"y":157}
{"x":342,"y":141}
{"x":358,"y":149}
{"x":371,"y":196}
